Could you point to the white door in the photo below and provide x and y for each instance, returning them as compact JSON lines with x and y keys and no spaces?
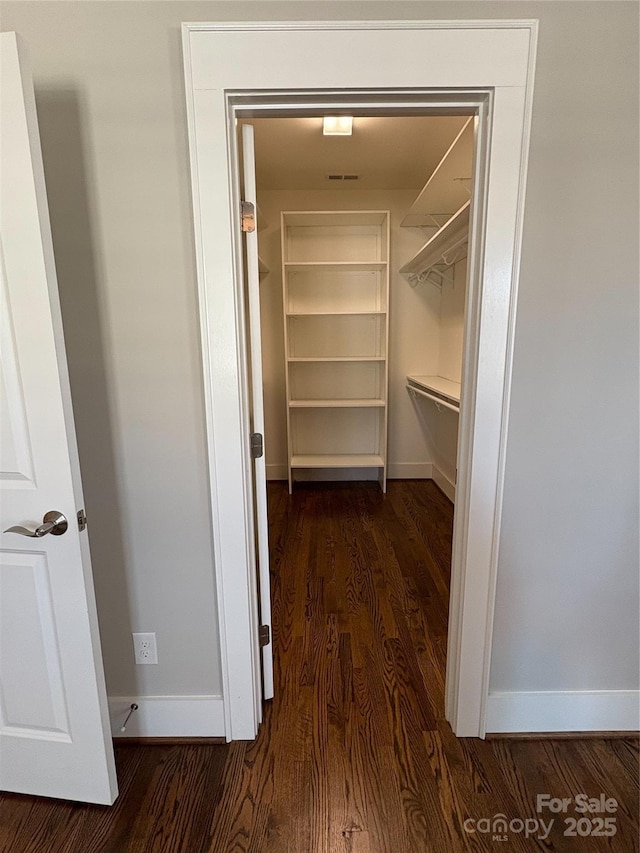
{"x":257,"y":406}
{"x":55,"y":737}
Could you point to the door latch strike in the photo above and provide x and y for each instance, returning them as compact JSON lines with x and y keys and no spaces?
{"x":82,"y":519}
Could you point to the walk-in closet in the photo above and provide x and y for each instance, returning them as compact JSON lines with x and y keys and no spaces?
{"x":362,"y":241}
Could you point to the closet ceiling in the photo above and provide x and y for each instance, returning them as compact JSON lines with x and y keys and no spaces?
{"x":386,"y":153}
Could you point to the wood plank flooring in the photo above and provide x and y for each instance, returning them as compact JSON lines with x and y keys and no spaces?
{"x":354,"y":755}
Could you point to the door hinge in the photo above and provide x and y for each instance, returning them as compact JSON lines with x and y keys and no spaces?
{"x":257,"y":445}
{"x":82,"y":519}
{"x":264,"y":635}
{"x":248,"y":212}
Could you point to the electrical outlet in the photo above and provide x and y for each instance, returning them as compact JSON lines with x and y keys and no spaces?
{"x":144,"y":648}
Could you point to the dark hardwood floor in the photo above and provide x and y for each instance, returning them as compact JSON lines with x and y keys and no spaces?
{"x":354,"y":755}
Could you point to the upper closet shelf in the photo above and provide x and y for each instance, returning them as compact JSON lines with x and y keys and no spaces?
{"x":447,"y":246}
{"x":449,"y":185}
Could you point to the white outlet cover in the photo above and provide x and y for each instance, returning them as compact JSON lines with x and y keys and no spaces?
{"x":145,"y":649}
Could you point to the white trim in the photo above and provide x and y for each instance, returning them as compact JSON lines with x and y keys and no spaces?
{"x":471,"y":24}
{"x":226,"y":406}
{"x":444,"y":483}
{"x":564,"y":711}
{"x":508,"y":368}
{"x":495,"y":76}
{"x":168,"y":716}
{"x":208,"y":362}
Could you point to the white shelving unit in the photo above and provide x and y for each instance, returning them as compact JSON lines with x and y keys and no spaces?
{"x":335,"y":279}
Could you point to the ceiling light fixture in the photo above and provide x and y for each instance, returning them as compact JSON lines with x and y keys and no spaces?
{"x":337,"y":125}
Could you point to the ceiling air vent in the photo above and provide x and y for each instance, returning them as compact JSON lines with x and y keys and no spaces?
{"x":343,"y":177}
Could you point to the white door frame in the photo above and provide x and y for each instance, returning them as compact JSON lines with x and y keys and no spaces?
{"x":489,"y":65}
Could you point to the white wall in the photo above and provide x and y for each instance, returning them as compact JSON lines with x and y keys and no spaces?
{"x":109,"y":86}
{"x":413,"y":334}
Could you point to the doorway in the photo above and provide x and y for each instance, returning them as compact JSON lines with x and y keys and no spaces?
{"x":377,"y":195}
{"x":452,"y":230}
{"x":362,"y":243}
{"x":487,"y":70}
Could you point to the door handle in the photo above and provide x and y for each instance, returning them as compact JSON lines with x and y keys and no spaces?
{"x":53,"y":522}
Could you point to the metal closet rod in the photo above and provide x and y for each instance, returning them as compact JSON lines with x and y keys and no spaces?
{"x":426,"y":276}
{"x":449,"y":258}
{"x":440,"y":403}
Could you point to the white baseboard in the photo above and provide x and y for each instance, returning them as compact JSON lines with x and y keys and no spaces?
{"x":564,"y":711}
{"x":444,"y":483}
{"x":168,"y":716}
{"x":409,"y":471}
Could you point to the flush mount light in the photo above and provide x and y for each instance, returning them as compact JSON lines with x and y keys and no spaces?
{"x":337,"y":125}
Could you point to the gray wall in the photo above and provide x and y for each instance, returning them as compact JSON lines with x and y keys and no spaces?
{"x":109,"y":87}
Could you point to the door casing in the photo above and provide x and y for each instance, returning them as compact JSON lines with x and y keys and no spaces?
{"x":484,"y":67}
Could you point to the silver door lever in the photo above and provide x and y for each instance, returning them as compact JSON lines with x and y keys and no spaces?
{"x":53,"y":522}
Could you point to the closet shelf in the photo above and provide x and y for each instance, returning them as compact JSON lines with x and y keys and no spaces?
{"x":335,"y":313}
{"x":443,"y":392}
{"x":329,"y":359}
{"x":437,"y":384}
{"x":437,"y":251}
{"x":449,"y":185}
{"x":353,"y":403}
{"x":343,"y":460}
{"x":334,"y":266}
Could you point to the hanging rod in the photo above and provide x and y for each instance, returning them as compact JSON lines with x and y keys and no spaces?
{"x":440,"y":403}
{"x":452,"y":255}
{"x":438,"y":278}
{"x":445,"y":248}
